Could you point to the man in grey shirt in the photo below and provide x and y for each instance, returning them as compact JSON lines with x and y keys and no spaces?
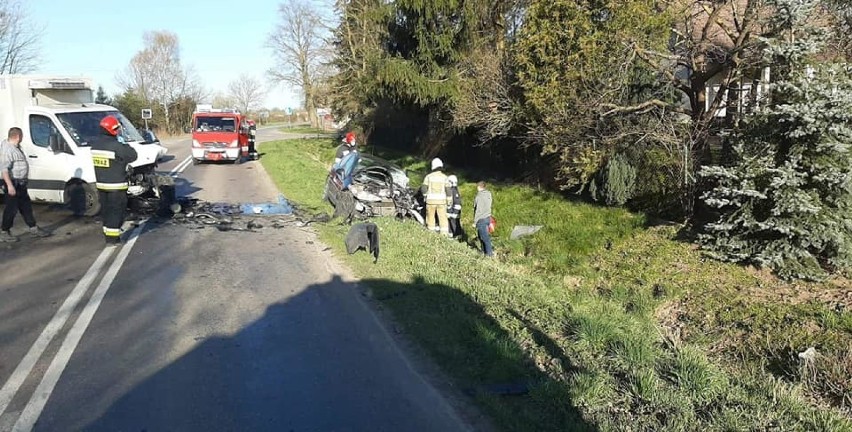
{"x":482,"y":217}
{"x":15,"y":172}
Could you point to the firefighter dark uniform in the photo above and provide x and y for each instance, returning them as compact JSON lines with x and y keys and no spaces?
{"x":252,"y":141}
{"x":454,"y":208}
{"x":111,"y":158}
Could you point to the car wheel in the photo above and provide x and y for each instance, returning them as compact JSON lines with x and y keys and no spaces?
{"x":83,"y":199}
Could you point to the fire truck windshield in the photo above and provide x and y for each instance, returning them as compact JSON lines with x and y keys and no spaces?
{"x":215,"y":124}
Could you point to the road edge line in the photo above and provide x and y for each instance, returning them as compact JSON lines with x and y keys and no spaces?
{"x":53,"y":327}
{"x":31,"y":413}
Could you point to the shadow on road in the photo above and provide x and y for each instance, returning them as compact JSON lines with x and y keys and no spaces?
{"x":319,"y":361}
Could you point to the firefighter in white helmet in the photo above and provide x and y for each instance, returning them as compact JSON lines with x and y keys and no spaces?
{"x":436,"y":189}
{"x":454,"y":208}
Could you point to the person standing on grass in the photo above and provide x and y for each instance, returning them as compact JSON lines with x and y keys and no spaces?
{"x":15,"y":174}
{"x":482,"y":217}
{"x":436,"y":189}
{"x":454,"y":208}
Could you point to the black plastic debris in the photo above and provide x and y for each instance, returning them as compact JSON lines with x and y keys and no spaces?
{"x":363,"y":236}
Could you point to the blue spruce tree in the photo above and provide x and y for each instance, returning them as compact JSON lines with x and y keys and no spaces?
{"x":785,"y":199}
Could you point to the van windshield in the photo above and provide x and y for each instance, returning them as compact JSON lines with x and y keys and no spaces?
{"x":85,"y":126}
{"x":215,"y":124}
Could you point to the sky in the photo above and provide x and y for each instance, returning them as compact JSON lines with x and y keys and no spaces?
{"x":221,"y":39}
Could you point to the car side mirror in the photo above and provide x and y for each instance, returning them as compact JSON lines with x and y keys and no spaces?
{"x":57,"y":144}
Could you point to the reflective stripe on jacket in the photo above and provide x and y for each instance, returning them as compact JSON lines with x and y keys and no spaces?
{"x":110,"y":159}
{"x":435,"y":188}
{"x":113,"y":186}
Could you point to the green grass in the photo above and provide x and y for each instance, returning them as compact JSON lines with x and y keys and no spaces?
{"x":611,"y":325}
{"x":302,"y":129}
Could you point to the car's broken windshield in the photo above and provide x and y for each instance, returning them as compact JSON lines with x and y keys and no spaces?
{"x":85,"y":126}
{"x":215,"y":124}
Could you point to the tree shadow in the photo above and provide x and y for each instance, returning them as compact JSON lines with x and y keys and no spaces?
{"x":321,"y":361}
{"x":481,"y":356}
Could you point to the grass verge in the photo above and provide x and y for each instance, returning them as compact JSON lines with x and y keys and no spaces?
{"x":302,"y":129}
{"x":598,"y":322}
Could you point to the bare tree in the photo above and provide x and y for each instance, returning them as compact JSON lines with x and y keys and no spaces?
{"x":19,"y":39}
{"x":156,"y":73}
{"x":247,"y":92}
{"x":221,"y":100}
{"x":300,"y":49}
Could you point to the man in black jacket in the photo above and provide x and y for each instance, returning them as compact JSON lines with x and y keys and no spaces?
{"x":111,"y":157}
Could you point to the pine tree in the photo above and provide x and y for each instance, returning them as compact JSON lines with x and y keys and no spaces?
{"x":101,"y":97}
{"x":785,"y":198}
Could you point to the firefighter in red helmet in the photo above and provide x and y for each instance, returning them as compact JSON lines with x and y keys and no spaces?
{"x":111,"y":158}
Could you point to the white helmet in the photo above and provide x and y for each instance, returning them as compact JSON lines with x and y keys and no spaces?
{"x":436,"y":163}
{"x":453,"y":180}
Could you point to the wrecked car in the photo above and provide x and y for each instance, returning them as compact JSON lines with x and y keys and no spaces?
{"x":368,"y":186}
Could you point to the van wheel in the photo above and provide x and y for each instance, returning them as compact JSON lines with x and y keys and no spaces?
{"x":83,"y":199}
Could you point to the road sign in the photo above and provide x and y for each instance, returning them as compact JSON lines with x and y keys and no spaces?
{"x":146,"y":114}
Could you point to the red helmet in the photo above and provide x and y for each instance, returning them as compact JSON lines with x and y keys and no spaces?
{"x":350,"y":138}
{"x":110,"y":124}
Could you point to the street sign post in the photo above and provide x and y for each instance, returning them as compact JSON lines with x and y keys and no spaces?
{"x":146,"y":115}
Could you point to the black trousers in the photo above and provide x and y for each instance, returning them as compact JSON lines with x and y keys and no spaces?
{"x":456,"y":227}
{"x":20,"y":202}
{"x":113,"y":211}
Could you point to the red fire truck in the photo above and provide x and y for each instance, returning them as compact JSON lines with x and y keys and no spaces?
{"x":219,"y":135}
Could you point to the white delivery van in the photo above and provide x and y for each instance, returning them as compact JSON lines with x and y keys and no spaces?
{"x":58,"y":117}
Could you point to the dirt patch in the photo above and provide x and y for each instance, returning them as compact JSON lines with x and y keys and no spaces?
{"x":671,"y":317}
{"x":835,"y":293}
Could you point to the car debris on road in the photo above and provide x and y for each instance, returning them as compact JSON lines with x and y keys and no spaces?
{"x":247,"y":217}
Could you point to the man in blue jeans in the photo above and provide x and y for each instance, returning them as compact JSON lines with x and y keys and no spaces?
{"x":482,"y":216}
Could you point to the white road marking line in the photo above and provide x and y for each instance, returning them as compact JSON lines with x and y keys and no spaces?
{"x":39,"y":398}
{"x":54,"y":326}
{"x":181,"y":166}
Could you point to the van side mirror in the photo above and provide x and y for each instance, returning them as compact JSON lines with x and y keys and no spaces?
{"x":56,"y":143}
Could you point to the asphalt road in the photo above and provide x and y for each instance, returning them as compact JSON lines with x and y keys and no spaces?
{"x":199,"y":330}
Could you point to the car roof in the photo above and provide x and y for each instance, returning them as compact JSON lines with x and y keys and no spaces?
{"x":213,"y":114}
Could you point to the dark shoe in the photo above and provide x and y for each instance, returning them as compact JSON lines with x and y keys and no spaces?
{"x":38,"y":232}
{"x":7,"y":237}
{"x":112,"y":240}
